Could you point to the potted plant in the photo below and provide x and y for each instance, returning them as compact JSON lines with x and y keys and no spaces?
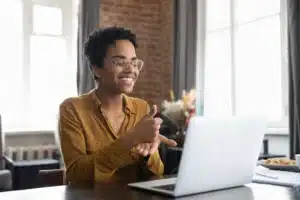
{"x":179,"y":112}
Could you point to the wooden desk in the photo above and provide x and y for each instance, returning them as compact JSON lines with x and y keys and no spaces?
{"x":116,"y":192}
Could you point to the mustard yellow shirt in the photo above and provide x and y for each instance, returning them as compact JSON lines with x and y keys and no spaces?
{"x":92,"y":151}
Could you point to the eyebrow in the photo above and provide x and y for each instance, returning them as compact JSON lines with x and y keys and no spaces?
{"x":123,"y":57}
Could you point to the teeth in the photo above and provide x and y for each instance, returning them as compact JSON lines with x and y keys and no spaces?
{"x":127,"y":80}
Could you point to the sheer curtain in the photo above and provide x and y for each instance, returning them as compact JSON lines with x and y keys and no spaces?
{"x":37,"y":62}
{"x":245,"y":70}
{"x":11,"y":68}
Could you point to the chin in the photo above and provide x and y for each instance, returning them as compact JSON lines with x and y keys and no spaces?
{"x":126,"y":90}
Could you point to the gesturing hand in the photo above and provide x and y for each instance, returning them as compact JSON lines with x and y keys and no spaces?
{"x":149,"y":148}
{"x":146,"y":149}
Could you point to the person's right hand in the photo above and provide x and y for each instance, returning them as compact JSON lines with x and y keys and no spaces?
{"x":146,"y":132}
{"x":147,"y":129}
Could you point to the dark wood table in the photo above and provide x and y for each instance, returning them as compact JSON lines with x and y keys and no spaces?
{"x":109,"y":191}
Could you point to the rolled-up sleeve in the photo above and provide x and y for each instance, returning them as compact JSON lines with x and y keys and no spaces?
{"x":155,"y":165}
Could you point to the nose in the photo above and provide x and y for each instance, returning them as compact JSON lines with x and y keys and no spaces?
{"x":129,"y":67}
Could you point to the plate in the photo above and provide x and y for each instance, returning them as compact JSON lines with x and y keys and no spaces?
{"x":289,"y":168}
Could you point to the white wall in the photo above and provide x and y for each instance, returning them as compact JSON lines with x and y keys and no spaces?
{"x":278,"y":144}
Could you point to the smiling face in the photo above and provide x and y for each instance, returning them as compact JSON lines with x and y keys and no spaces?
{"x":119,"y":72}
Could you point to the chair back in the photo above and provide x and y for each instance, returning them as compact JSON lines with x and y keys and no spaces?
{"x":58,"y":143}
{"x":52,"y":177}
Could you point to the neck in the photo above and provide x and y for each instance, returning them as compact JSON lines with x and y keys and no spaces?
{"x":110,"y":101}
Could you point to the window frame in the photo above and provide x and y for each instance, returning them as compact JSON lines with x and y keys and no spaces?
{"x":280,"y":127}
{"x":69,"y":11}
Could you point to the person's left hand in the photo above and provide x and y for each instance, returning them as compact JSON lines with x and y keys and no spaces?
{"x":146,"y":149}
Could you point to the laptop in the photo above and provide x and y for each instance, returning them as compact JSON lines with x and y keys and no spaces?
{"x":218,"y":153}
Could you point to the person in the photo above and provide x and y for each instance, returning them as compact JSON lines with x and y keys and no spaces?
{"x":105,"y":134}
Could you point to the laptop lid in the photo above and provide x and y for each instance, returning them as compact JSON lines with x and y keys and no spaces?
{"x":219,"y":153}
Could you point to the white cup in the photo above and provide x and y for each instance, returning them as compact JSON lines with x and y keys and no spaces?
{"x":297,"y":157}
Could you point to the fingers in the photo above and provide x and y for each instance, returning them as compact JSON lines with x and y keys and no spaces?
{"x":153,"y":111}
{"x":147,"y":129}
{"x":146,"y":149}
{"x":154,"y":147}
{"x":143,"y":149}
{"x":139,"y":148}
{"x":167,"y":141}
{"x":157,"y":121}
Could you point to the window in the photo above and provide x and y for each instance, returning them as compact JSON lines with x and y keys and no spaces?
{"x":245,"y":70}
{"x":38,"y":66}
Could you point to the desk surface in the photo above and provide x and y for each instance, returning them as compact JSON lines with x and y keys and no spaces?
{"x":115,"y":192}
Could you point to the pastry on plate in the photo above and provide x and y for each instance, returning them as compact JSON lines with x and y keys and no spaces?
{"x":280,"y":161}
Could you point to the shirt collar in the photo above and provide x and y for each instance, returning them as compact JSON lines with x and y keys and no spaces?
{"x":129,"y":107}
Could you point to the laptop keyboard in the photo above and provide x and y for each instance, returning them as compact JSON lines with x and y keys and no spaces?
{"x":169,"y":187}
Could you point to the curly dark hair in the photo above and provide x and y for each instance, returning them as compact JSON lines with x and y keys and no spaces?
{"x":99,"y":40}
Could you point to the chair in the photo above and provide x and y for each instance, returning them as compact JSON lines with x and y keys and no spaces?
{"x":53,"y":177}
{"x":5,"y":175}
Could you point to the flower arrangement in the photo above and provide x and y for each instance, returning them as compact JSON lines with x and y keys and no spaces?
{"x":180,"y":111}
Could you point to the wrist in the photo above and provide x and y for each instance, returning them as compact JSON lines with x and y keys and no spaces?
{"x":129,"y":140}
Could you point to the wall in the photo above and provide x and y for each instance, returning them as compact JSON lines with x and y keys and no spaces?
{"x":278,"y":144}
{"x":152,"y":21}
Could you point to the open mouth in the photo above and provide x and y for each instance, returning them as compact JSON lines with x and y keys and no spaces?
{"x":127,"y":79}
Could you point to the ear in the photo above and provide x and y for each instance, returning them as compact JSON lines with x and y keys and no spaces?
{"x":95,"y":71}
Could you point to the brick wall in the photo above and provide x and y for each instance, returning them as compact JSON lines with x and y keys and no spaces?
{"x":152,"y":21}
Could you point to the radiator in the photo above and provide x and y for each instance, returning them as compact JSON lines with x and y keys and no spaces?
{"x":32,"y":152}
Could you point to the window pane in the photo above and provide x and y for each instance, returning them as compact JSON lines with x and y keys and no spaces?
{"x":249,"y":10}
{"x":258,"y":69}
{"x":47,"y":20}
{"x":217,"y":14}
{"x":11,"y":48}
{"x":217,"y":89}
{"x":50,"y":80}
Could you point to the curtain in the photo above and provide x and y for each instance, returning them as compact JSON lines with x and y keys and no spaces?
{"x":293,"y":12}
{"x":185,"y":21}
{"x":88,"y":20}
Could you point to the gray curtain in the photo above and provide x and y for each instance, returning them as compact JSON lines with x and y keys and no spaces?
{"x":88,"y":20}
{"x":185,"y":21}
{"x":293,"y":11}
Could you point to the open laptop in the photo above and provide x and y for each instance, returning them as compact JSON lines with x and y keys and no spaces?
{"x":218,"y":153}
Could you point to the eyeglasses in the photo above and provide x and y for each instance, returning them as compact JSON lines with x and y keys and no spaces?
{"x":137,"y":64}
